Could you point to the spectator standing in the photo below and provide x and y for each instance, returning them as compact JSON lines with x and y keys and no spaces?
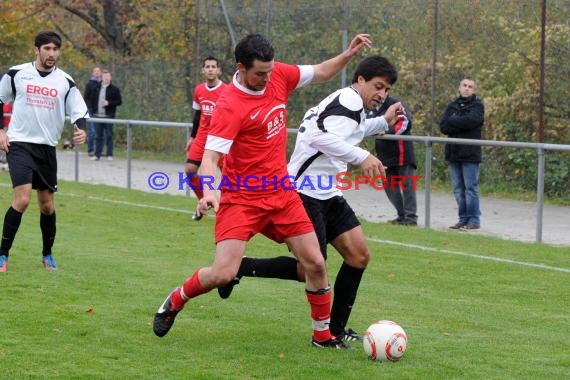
{"x":399,"y":159}
{"x":42,"y":94}
{"x":204,"y":101}
{"x":89,"y":94}
{"x":463,"y":119}
{"x":105,"y":105}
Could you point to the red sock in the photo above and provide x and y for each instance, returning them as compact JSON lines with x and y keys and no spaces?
{"x":320,"y":313}
{"x":196,"y":186}
{"x":190,"y":289}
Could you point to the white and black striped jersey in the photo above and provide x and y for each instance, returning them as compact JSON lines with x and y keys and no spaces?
{"x":328,"y":140}
{"x":40,"y":103}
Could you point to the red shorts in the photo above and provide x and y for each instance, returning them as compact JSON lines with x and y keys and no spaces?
{"x":286,"y":218}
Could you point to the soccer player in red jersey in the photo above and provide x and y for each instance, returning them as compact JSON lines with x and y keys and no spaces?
{"x":204,"y":101}
{"x":249,"y":127}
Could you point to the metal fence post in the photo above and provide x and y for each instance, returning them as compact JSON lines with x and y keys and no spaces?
{"x":539,"y":193}
{"x":129,"y":154}
{"x":427,"y":180}
{"x":76,"y":149}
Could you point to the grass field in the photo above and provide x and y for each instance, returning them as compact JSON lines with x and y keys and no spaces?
{"x":473,"y":307}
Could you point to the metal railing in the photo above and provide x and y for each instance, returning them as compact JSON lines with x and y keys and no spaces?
{"x":428,"y":141}
{"x":539,"y":147}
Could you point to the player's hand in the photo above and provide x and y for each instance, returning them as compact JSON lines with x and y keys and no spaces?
{"x":394,"y":113}
{"x":359,"y":42}
{"x":373,"y":167}
{"x":4,"y":140}
{"x":206,"y":203}
{"x":79,"y":135}
{"x":189,"y":143}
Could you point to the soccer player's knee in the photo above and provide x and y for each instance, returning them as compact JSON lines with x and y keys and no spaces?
{"x":358,"y":258}
{"x":363,"y":260}
{"x":316,"y":266}
{"x":223,"y":277}
{"x":21,"y":203}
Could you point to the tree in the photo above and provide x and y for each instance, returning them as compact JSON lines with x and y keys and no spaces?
{"x":117,"y":23}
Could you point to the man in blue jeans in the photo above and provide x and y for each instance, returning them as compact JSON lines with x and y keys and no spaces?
{"x":105,"y":106}
{"x":463,"y":118}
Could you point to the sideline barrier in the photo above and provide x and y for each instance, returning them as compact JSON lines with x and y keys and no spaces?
{"x":428,"y":141}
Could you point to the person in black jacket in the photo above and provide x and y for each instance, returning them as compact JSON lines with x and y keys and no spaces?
{"x":463,"y":118}
{"x":91,"y":91}
{"x":104,"y":104}
{"x":399,"y":159}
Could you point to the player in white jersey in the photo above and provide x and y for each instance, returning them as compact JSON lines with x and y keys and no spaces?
{"x":42,"y":95}
{"x":327,"y":141}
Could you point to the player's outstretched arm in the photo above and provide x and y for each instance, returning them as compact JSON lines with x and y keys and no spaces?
{"x":328,"y":69}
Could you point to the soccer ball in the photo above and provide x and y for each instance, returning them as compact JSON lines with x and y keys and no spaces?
{"x":385,"y":341}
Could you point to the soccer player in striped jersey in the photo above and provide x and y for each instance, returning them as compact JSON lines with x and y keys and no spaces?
{"x":249,"y":127}
{"x":42,"y":95}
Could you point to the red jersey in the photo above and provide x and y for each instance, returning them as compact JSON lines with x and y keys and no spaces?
{"x":250,"y":128}
{"x":204,"y":100}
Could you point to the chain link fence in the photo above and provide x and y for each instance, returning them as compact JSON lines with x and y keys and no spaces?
{"x":433,"y":44}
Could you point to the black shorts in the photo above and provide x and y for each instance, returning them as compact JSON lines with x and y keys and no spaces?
{"x":33,"y":163}
{"x":331,"y":218}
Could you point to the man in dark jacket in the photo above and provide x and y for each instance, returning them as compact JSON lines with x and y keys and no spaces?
{"x":105,"y":105}
{"x":399,"y":159}
{"x":91,"y":91}
{"x":463,"y":118}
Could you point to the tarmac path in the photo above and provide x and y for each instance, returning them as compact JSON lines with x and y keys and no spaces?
{"x":513,"y":220}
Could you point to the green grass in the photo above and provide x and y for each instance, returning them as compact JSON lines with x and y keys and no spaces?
{"x":467,"y":315}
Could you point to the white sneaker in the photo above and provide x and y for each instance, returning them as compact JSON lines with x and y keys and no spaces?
{"x":109,"y":158}
{"x":94,"y":158}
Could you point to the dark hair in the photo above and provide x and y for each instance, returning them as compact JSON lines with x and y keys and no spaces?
{"x":46,"y":37}
{"x":210,"y":58}
{"x":252,"y":47}
{"x":375,"y":66}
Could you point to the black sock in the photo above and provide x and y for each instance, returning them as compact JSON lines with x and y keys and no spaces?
{"x":12,"y":221}
{"x":283,"y":267}
{"x":47,"y":225}
{"x":345,"y":289}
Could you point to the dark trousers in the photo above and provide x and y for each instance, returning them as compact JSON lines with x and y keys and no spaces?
{"x":401,"y":191}
{"x":104,"y":134}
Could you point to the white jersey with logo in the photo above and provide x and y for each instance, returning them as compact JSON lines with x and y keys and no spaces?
{"x":40,"y":103}
{"x":328,"y":139}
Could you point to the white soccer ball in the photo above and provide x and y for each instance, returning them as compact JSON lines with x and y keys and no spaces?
{"x":385,"y":341}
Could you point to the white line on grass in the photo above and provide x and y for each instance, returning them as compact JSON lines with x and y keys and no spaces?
{"x":471,"y":255}
{"x":420,"y":247}
{"x":127,"y":203}
{"x":415,"y":246}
